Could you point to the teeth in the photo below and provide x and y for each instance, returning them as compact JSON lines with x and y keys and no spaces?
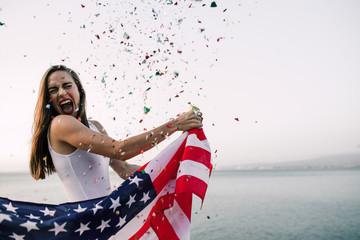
{"x":65,"y":102}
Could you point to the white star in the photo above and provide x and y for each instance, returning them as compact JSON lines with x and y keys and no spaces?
{"x":115,"y":203}
{"x":58,"y":228}
{"x":83,"y":228}
{"x":121,"y":222}
{"x":80,"y":209}
{"x":145,"y":197}
{"x":4,"y":217}
{"x":103,"y":225}
{"x":17,"y":237}
{"x":97,"y":207}
{"x":48,"y":212}
{"x":30,"y":226}
{"x":32,"y":217}
{"x":136,"y":180}
{"x":10,"y":208}
{"x":131,"y":200}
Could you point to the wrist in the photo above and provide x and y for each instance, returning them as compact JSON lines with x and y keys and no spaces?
{"x":172,"y":126}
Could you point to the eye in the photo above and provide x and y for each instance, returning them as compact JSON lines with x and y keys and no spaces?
{"x":68,"y":86}
{"x":52,"y":91}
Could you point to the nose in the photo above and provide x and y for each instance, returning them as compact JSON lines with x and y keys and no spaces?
{"x":62,"y":92}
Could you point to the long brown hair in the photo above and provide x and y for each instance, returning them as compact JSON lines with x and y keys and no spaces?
{"x":40,"y":159}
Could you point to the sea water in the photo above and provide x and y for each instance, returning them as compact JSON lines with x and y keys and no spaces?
{"x":249,"y":205}
{"x":280,"y":204}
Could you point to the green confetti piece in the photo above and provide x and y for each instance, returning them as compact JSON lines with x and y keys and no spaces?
{"x":143,"y":171}
{"x":146,"y":110}
{"x":213,"y":4}
{"x":148,"y":88}
{"x":2,"y":24}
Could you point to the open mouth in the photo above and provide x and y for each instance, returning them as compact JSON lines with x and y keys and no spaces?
{"x":67,"y":106}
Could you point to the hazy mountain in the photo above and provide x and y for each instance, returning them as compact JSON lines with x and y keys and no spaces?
{"x":350,"y":160}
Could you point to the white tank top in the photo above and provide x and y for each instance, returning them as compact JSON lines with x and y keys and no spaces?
{"x":84,"y":175}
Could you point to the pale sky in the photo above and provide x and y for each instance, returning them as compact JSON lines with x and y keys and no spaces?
{"x":288,"y":70}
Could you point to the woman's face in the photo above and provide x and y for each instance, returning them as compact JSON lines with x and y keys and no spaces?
{"x":64,"y":93}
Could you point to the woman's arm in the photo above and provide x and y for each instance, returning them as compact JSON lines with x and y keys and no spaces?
{"x":69,"y":130}
{"x":122,"y":168}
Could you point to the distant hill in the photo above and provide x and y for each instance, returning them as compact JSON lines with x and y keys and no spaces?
{"x":350,"y":160}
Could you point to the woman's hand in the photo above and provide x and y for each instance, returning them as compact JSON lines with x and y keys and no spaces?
{"x":189,"y":120}
{"x":123,"y":169}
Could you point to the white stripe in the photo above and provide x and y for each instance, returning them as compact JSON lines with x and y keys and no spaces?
{"x":195,"y":169}
{"x":155,"y":166}
{"x":149,"y":235}
{"x":179,"y":221}
{"x":192,"y":140}
{"x":138,"y":221}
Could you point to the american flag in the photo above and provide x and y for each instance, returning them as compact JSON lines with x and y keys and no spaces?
{"x":154,"y":203}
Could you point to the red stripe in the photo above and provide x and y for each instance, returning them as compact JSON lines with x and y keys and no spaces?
{"x":142,"y":231}
{"x":162,"y":227}
{"x":191,"y":184}
{"x":198,"y":155}
{"x":163,"y":203}
{"x":199,"y":133}
{"x":184,"y":200}
{"x":168,"y":171}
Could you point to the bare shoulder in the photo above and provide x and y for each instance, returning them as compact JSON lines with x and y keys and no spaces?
{"x":99,"y":126}
{"x":63,"y":127}
{"x":63,"y":122}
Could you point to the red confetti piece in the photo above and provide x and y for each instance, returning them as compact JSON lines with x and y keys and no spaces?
{"x":219,"y":38}
{"x":98,"y":37}
{"x":140,"y":121}
{"x":82,"y":6}
{"x":79,"y":118}
{"x":237,"y":119}
{"x":169,"y":126}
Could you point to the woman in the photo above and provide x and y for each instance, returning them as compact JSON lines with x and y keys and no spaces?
{"x":79,"y":150}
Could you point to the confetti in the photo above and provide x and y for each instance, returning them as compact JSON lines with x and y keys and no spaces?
{"x":126,"y":36}
{"x":237,"y":119}
{"x":2,"y":24}
{"x":82,"y":6}
{"x":48,"y":106}
{"x":89,"y":149}
{"x":213,"y":4}
{"x":146,"y":110}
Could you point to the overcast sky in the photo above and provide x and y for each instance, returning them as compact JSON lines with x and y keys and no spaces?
{"x":275,"y":80}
